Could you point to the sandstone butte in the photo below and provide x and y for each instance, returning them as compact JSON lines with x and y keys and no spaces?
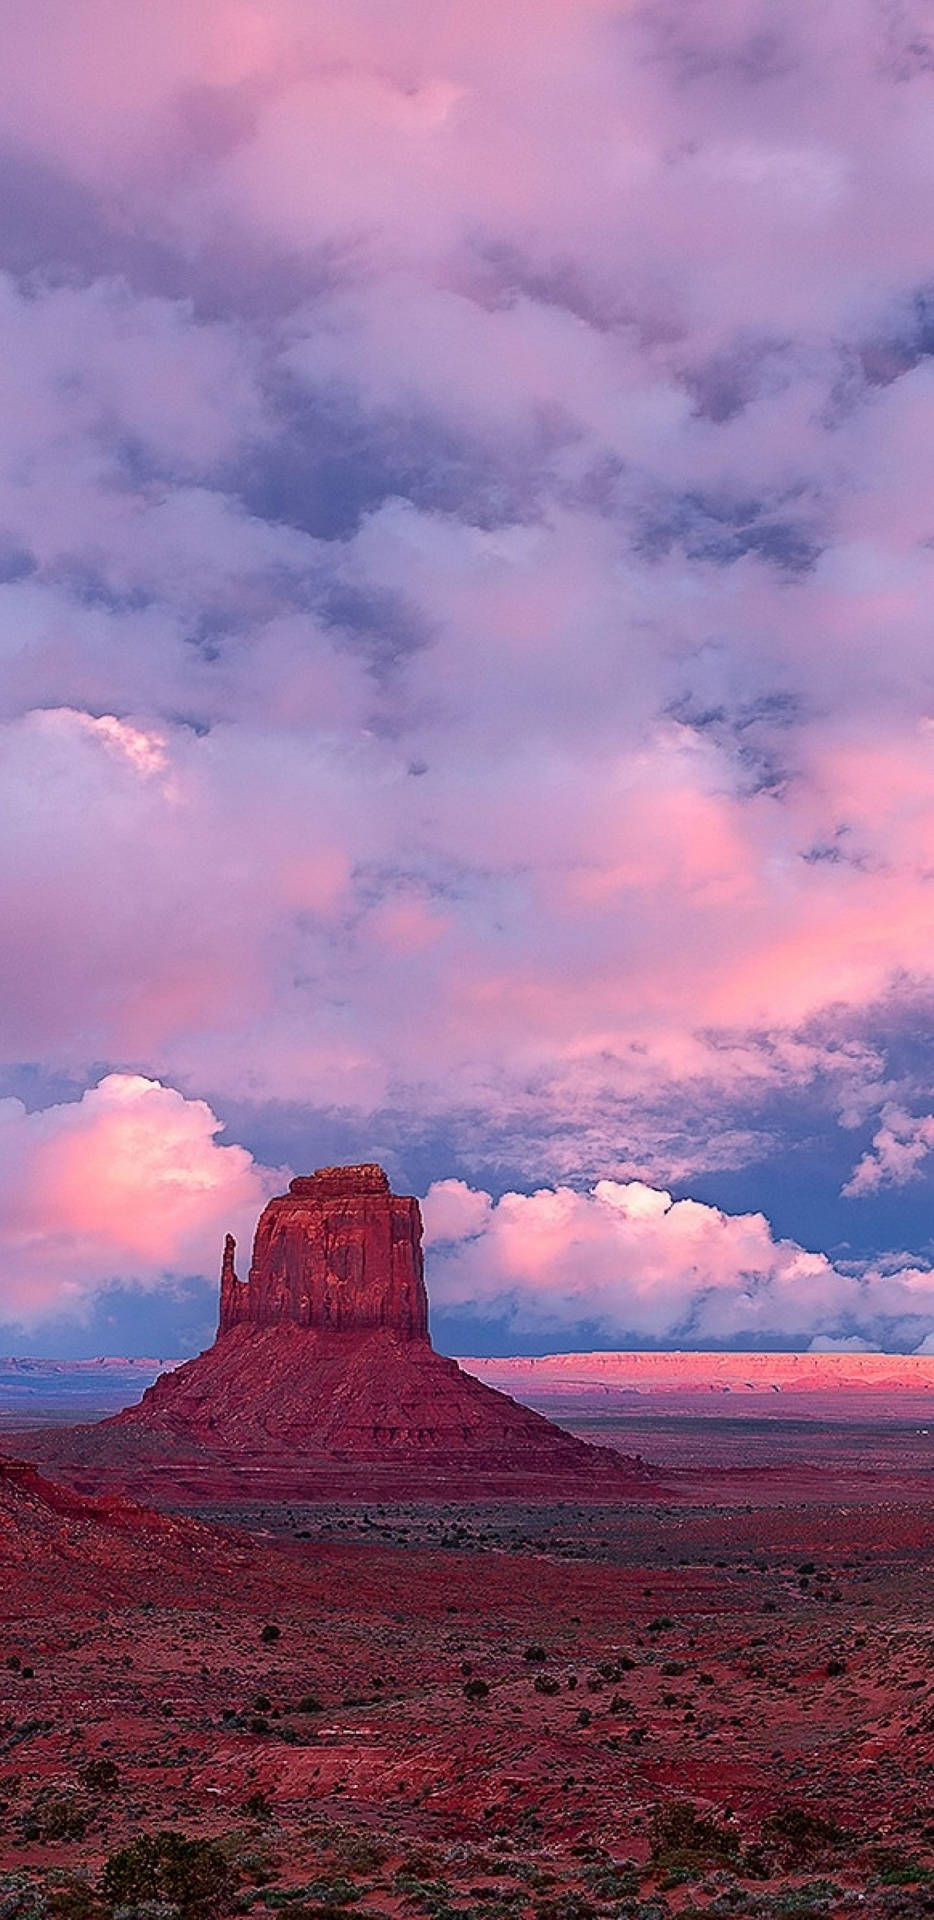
{"x":323,"y":1359}
{"x":323,"y":1382}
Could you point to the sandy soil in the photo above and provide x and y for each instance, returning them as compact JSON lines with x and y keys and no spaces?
{"x":765,"y":1655}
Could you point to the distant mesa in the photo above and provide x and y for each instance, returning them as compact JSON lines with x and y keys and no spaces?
{"x":323,"y":1362}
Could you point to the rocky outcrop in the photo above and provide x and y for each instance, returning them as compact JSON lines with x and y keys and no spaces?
{"x":339,"y":1252}
{"x":323,"y":1366}
{"x":56,"y":1545}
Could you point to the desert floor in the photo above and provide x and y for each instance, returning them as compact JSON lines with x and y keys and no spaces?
{"x":719,"y":1698}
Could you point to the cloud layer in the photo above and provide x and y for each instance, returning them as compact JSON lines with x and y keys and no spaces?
{"x":625,"y":1265}
{"x":465,"y":560}
{"x":130,"y":1187}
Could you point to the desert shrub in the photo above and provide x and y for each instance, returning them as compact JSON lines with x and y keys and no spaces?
{"x":339,"y":1892}
{"x":76,"y":1900}
{"x":475,"y":1689}
{"x":896,"y":1869}
{"x":613,"y":1880}
{"x":615,"y":1669}
{"x":250,"y":1860}
{"x":270,"y":1633}
{"x":326,"y":1910}
{"x":808,"y":1902}
{"x":148,"y":1910}
{"x":428,"y":1896}
{"x":566,"y":1906}
{"x":257,"y":1807}
{"x":546,"y":1683}
{"x":359,"y":1853}
{"x":685,"y":1841}
{"x":100,"y":1776}
{"x":309,"y":1703}
{"x":797,"y":1835}
{"x":20,"y":1898}
{"x":192,"y":1875}
{"x":672,"y":1669}
{"x":55,"y":1816}
{"x":835,"y":1668}
{"x":535,"y":1653}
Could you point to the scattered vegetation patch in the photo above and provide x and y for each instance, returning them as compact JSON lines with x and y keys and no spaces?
{"x":194,"y":1876}
{"x":797,"y":1836}
{"x":686,"y":1842}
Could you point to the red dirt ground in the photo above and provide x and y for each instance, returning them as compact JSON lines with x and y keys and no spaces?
{"x":782,"y":1666}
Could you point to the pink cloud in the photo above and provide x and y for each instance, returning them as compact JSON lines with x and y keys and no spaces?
{"x":554,"y":774}
{"x":624,"y":1262}
{"x":127,"y":1185}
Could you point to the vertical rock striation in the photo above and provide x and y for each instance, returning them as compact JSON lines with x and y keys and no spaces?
{"x":339,"y":1252}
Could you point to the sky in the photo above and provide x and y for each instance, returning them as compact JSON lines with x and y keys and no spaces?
{"x":466,"y":669}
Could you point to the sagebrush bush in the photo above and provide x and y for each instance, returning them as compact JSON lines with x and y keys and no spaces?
{"x":192,"y":1875}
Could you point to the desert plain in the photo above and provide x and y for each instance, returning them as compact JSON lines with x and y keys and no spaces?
{"x":713,"y":1692}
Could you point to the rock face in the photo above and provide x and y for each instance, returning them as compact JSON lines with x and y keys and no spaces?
{"x":323,"y":1357}
{"x":338,"y":1252}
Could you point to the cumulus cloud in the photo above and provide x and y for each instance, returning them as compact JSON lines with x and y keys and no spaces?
{"x":626,"y":1264}
{"x":128,"y":1185}
{"x":900,"y":1146}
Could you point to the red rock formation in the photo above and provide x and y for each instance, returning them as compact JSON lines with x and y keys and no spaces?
{"x":323,"y":1368}
{"x":338,"y":1252}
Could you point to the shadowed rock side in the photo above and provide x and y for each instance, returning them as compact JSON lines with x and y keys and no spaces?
{"x":323,"y":1359}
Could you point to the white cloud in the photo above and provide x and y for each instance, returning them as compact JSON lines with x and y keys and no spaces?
{"x":851,"y":1343}
{"x":900,"y":1147}
{"x":626,"y":1263}
{"x":454,"y":1211}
